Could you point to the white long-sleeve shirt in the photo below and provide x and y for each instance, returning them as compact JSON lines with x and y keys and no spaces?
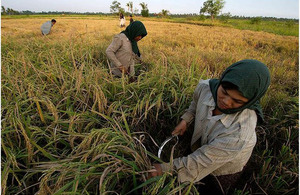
{"x":46,"y":27}
{"x":225,"y":142}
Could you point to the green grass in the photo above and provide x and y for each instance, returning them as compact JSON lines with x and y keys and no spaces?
{"x":287,"y":28}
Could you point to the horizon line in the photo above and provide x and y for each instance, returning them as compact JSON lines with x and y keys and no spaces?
{"x":158,"y":13}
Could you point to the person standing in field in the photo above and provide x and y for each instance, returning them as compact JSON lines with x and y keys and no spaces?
{"x":123,"y":50}
{"x":46,"y":27}
{"x":131,"y":19}
{"x":122,"y":20}
{"x":225,"y":113}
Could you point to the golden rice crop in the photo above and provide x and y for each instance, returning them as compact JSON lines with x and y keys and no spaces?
{"x":68,"y":126}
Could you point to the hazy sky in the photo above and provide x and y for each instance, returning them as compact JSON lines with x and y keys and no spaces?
{"x":270,"y":8}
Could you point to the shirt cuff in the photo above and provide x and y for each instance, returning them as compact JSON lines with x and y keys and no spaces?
{"x":188,"y":117}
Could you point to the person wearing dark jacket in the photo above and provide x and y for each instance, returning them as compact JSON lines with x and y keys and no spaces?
{"x":131,"y":19}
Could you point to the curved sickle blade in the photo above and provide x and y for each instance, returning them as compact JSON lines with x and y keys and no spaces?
{"x":164,"y":143}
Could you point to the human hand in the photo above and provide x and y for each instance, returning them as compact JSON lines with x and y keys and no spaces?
{"x":124,"y":70}
{"x":180,"y":128}
{"x":156,"y":172}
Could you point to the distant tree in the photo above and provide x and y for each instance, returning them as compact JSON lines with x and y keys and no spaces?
{"x":10,"y":11}
{"x":115,"y":7}
{"x":165,"y":12}
{"x":130,"y":6}
{"x":145,"y":11}
{"x":3,"y":11}
{"x":144,"y":5}
{"x":121,"y":10}
{"x":212,"y":7}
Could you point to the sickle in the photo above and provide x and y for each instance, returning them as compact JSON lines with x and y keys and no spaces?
{"x":165,"y":142}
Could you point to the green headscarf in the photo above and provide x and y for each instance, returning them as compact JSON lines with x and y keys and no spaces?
{"x":135,"y":29}
{"x":252,"y":79}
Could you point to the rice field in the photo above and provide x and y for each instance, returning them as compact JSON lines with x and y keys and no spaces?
{"x":69,"y":127}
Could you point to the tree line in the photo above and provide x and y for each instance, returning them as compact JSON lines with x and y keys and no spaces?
{"x":210,"y":8}
{"x":9,"y":11}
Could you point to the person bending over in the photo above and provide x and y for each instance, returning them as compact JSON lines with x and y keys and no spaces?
{"x":123,"y":50}
{"x":46,"y":27}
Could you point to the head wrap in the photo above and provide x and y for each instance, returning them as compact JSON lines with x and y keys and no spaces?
{"x":252,"y":79}
{"x":135,"y":29}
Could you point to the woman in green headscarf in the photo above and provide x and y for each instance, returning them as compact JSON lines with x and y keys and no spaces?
{"x":123,"y":50}
{"x":225,"y":113}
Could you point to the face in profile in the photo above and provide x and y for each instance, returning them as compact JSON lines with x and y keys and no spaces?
{"x":230,"y":98}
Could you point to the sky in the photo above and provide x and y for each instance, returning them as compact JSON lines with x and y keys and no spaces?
{"x":252,"y":8}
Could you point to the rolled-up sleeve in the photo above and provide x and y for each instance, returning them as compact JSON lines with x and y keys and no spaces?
{"x":205,"y":159}
{"x":112,"y":49}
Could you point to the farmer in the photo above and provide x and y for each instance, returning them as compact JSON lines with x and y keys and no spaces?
{"x":225,"y":112}
{"x":123,"y":50}
{"x":46,"y":27}
{"x":131,"y":19}
{"x":122,"y":20}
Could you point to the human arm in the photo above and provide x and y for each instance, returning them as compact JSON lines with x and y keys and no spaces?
{"x":226,"y":148}
{"x":202,"y":162}
{"x":205,"y":160}
{"x":226,"y":151}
